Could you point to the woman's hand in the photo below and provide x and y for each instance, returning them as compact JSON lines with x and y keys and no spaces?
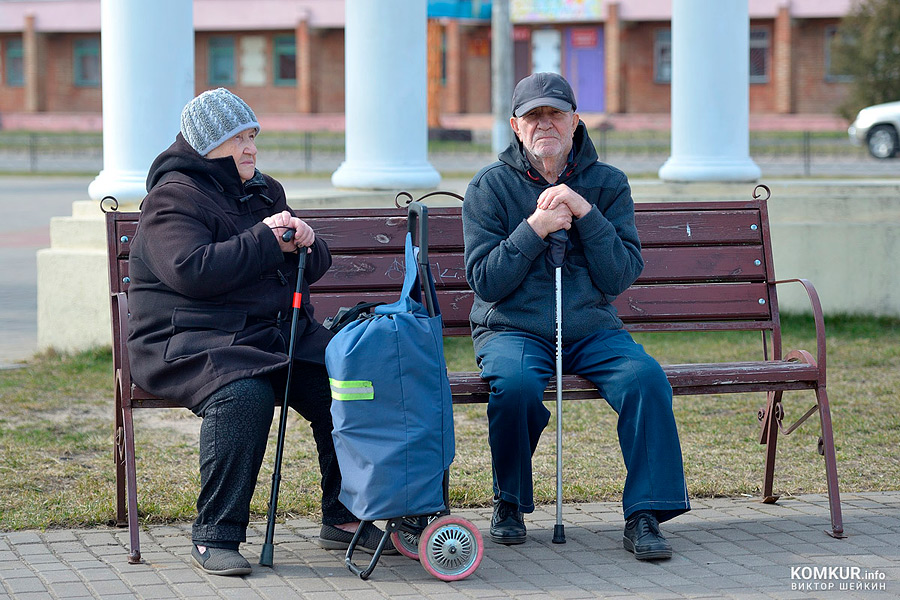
{"x":281,"y":222}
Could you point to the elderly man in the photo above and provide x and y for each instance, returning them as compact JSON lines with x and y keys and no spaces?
{"x":549,"y":179}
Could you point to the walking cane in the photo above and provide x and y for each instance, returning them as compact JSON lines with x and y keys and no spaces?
{"x":556,"y":255}
{"x":268,"y":549}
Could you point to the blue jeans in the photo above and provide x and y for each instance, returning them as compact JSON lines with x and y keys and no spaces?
{"x":519,"y":366}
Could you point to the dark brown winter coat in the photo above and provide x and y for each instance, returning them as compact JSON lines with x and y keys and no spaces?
{"x":211,"y":291}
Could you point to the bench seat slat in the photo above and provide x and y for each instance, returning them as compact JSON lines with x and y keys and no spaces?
{"x":706,"y":378}
{"x":685,"y":379}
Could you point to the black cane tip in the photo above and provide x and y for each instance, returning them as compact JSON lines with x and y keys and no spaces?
{"x":265,"y":557}
{"x":559,"y":534}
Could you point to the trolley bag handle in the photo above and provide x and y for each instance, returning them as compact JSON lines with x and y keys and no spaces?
{"x":347,"y":314}
{"x":417,"y":223}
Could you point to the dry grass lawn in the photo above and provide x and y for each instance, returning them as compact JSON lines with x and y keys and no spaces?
{"x":56,"y":456}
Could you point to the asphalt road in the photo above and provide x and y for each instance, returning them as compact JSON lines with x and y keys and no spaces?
{"x":26,"y":206}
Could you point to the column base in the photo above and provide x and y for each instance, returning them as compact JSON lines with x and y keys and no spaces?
{"x":385,"y":177}
{"x":708,"y":168}
{"x":124,"y":186}
{"x":72,"y":298}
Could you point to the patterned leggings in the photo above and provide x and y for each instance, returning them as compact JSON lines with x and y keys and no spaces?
{"x":233,"y":436}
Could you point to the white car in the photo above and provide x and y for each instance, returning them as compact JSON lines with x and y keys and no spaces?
{"x":878,"y":128}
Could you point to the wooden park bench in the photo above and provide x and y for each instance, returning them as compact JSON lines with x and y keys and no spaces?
{"x":708,"y":267}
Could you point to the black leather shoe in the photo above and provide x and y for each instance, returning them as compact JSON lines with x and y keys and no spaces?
{"x":642,"y":537}
{"x":507,"y":524}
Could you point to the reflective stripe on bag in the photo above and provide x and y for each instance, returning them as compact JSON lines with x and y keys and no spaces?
{"x":351,"y":390}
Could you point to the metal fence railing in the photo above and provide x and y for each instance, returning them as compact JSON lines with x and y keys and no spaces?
{"x":795,"y":153}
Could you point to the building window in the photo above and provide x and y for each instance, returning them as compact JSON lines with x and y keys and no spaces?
{"x":221,"y":60}
{"x":285,"y":60}
{"x":87,"y":62}
{"x":833,"y":36}
{"x":759,"y":56}
{"x":13,"y":64}
{"x":662,"y":56}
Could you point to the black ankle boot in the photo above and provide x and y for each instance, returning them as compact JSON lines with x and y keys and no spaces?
{"x":507,"y":524}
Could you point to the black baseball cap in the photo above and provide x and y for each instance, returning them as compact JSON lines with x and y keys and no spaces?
{"x":542,"y":89}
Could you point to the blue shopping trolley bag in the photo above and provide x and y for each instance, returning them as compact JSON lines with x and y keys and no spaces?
{"x":391,"y":403}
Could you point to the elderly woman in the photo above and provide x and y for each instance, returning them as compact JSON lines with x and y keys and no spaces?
{"x":210,"y":300}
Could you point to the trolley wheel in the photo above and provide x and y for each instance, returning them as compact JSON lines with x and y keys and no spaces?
{"x":406,"y":543}
{"x":451,"y":548}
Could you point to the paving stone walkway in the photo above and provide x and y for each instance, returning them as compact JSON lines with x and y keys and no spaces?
{"x":724,"y":548}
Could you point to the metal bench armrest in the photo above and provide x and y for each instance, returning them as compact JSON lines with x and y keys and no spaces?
{"x":818,"y":319}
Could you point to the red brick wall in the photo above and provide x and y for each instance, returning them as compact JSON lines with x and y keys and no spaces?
{"x":476,"y":64}
{"x":783,"y":61}
{"x":613,"y":41}
{"x":639,"y":93}
{"x":467,"y":88}
{"x":57,"y":91}
{"x":264,"y":98}
{"x":450,"y":93}
{"x":813,"y":93}
{"x":328,"y":70}
{"x":60,"y":92}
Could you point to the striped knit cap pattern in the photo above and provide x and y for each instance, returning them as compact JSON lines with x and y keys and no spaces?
{"x":213,"y":117}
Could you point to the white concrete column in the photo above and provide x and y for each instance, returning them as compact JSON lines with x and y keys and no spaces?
{"x":502,"y":84}
{"x":386,"y":130}
{"x":710,"y":92}
{"x":147,"y":53}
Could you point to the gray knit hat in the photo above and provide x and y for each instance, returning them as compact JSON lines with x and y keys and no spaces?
{"x":213,"y":117}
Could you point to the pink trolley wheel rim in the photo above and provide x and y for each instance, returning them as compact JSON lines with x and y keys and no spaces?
{"x":451,"y":548}
{"x":406,"y":544}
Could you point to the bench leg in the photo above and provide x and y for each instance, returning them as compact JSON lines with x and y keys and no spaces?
{"x":769,"y":437}
{"x":827,"y":450}
{"x":134,"y":554}
{"x":119,"y":458}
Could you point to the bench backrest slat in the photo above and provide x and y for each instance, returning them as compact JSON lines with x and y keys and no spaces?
{"x":692,"y":227}
{"x":661,"y":265}
{"x":707,"y":264}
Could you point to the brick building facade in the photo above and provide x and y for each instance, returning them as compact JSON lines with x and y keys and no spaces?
{"x":287,"y":56}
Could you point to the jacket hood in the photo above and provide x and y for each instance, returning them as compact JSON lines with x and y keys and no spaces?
{"x":583,"y":155}
{"x":180,"y":157}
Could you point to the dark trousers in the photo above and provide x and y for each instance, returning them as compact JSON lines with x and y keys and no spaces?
{"x":233,"y":436}
{"x":519,"y":367}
